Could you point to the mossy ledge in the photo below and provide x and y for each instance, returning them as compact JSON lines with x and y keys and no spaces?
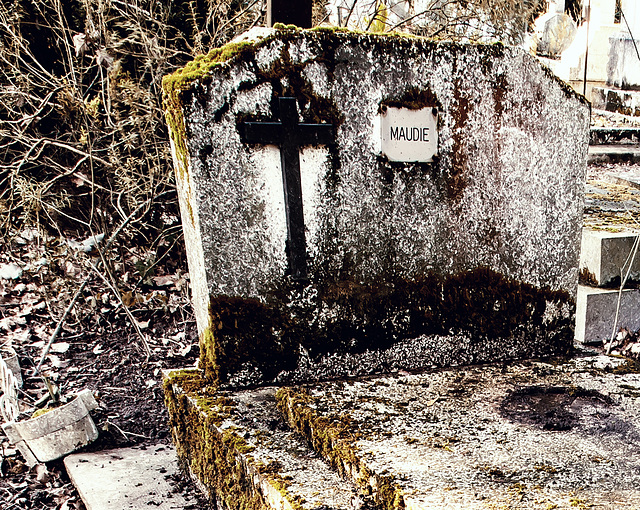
{"x":333,"y":438}
{"x":219,"y":458}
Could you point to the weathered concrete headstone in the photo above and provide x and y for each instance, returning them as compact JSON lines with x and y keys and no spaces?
{"x":408,"y":204}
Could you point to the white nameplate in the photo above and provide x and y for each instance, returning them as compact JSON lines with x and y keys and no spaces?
{"x":410,"y":136}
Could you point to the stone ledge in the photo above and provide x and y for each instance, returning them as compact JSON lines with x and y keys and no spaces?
{"x":601,"y":154}
{"x":524,"y":435}
{"x":604,"y":253}
{"x":242,"y":455}
{"x":596,"y":310}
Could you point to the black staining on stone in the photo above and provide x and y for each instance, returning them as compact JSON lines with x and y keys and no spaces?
{"x":244,"y":333}
{"x":500,"y":89}
{"x":456,"y":178}
{"x":206,"y":151}
{"x":221,"y":112}
{"x":551,"y":407}
{"x":413,"y":99}
{"x":586,"y":277}
{"x":345,"y":316}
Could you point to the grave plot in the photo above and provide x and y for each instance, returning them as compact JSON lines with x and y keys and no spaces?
{"x":357,"y":204}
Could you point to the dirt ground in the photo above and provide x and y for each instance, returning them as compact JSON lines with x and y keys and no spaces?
{"x":97,"y":348}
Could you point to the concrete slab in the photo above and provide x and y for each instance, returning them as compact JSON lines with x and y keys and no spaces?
{"x":605,"y":255}
{"x":128,"y":478}
{"x":611,"y":207}
{"x":614,"y":135}
{"x":596,"y":310}
{"x":599,"y":154}
{"x":530,"y":435}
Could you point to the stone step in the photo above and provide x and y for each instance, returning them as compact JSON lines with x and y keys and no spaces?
{"x":129,"y":478}
{"x":612,"y":210}
{"x":604,"y":255}
{"x":596,"y":311}
{"x":242,"y":454}
{"x":612,"y":204}
{"x":528,"y":435}
{"x":614,"y":136}
{"x":601,"y":154}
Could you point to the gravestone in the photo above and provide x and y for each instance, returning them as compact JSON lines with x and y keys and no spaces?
{"x":357,"y":203}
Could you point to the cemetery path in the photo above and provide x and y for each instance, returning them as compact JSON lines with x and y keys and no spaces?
{"x":97,"y":348}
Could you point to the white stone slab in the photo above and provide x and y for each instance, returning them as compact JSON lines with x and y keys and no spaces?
{"x":603,"y":254}
{"x":596,"y":309}
{"x":409,"y":135}
{"x":531,"y":435}
{"x":127,"y":478}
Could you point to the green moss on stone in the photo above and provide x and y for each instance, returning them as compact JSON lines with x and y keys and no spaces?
{"x":481,"y":304}
{"x":219,"y":458}
{"x":333,"y":438}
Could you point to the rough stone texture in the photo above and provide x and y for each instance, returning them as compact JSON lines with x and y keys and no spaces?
{"x":596,"y":311}
{"x":604,"y":255}
{"x":560,"y":434}
{"x":406,"y":261}
{"x":521,"y":435}
{"x":612,"y":154}
{"x":243,"y":456}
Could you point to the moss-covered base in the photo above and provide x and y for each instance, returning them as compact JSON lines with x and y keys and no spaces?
{"x":215,"y":457}
{"x":240,"y":453}
{"x":329,"y":328}
{"x":525,"y":435}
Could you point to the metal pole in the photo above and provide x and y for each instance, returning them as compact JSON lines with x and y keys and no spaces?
{"x":586,"y":51}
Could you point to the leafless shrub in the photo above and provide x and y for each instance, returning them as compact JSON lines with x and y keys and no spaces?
{"x":468,"y":20}
{"x":82,"y":135}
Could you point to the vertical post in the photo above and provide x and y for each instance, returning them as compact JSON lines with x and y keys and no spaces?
{"x":296,"y":13}
{"x":586,"y":51}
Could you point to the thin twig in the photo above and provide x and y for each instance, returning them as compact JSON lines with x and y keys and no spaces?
{"x":125,"y":434}
{"x":111,"y":284}
{"x":108,"y":244}
{"x":630,"y":259}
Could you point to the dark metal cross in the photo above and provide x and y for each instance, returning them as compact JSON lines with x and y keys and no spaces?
{"x":296,"y":13}
{"x":289,"y":134}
